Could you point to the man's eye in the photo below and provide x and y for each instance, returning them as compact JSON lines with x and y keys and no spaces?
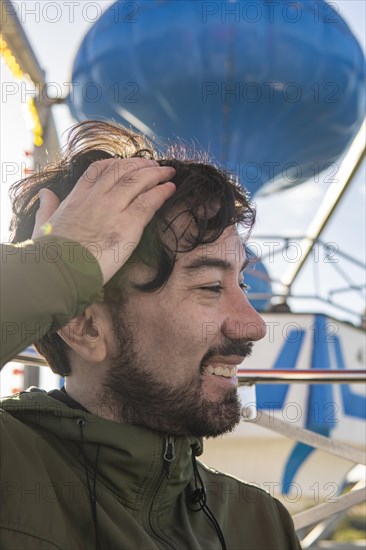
{"x":216,"y":288}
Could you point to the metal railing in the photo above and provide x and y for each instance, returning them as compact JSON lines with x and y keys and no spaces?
{"x":357,"y":494}
{"x":30,"y":360}
{"x":248,"y":377}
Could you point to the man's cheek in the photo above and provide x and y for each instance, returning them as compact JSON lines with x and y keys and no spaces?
{"x":209,"y":331}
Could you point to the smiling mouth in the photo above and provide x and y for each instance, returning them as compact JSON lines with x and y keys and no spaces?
{"x":222,"y":370}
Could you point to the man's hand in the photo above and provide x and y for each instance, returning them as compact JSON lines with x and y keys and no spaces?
{"x":108,"y":208}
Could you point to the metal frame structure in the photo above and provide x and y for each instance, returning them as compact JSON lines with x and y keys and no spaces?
{"x":281,"y":298}
{"x":332,"y":198}
{"x":248,"y":377}
{"x":329,"y":513}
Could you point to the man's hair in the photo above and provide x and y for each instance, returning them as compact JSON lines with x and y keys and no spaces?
{"x":207,"y":199}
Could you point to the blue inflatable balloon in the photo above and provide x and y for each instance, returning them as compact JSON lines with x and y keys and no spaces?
{"x":275,"y":91}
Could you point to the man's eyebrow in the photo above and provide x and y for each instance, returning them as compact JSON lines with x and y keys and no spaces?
{"x":206,"y":263}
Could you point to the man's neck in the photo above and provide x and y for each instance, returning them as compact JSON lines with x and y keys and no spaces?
{"x":90,"y":400}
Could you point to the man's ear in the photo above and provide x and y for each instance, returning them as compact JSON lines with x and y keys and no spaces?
{"x":89,"y":334}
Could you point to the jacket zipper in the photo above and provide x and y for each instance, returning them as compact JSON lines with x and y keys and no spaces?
{"x":169,"y":454}
{"x":168,"y":457}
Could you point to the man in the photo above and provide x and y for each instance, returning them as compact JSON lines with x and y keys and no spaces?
{"x":110,"y":460}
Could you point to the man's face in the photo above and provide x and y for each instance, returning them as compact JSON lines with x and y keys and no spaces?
{"x":178,"y":347}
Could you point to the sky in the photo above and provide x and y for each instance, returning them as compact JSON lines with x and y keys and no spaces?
{"x":55,"y":31}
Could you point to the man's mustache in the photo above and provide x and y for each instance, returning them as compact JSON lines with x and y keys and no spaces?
{"x":232,"y":347}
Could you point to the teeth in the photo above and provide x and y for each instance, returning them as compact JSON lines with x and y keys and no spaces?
{"x":227,"y":372}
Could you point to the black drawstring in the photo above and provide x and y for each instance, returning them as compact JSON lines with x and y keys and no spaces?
{"x":91,"y":486}
{"x":199,"y":498}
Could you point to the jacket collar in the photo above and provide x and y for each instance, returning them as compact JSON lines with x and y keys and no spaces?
{"x":130,"y":461}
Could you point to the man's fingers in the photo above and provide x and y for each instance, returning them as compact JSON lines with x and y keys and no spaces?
{"x":127,"y":189}
{"x":119,"y":203}
{"x":48,"y":205}
{"x":121,"y":180}
{"x":109,"y":171}
{"x":131,"y":176}
{"x":146,"y":204}
{"x":134,"y":219}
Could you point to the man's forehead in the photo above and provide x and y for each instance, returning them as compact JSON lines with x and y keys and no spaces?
{"x":227,"y":251}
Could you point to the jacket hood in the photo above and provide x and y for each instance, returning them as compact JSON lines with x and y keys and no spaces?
{"x":130,"y":458}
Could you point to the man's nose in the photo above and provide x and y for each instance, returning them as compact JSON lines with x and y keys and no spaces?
{"x":243,"y":322}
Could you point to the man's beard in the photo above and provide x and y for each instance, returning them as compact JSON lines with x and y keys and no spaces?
{"x":135,"y":395}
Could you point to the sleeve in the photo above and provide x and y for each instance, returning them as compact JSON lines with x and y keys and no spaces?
{"x":45,"y":283}
{"x":288,"y":526}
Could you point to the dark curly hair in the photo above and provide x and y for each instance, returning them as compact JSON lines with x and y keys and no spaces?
{"x":206,"y":196}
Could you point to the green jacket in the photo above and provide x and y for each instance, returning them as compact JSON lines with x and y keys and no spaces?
{"x":45,"y":282}
{"x":72,"y":480}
